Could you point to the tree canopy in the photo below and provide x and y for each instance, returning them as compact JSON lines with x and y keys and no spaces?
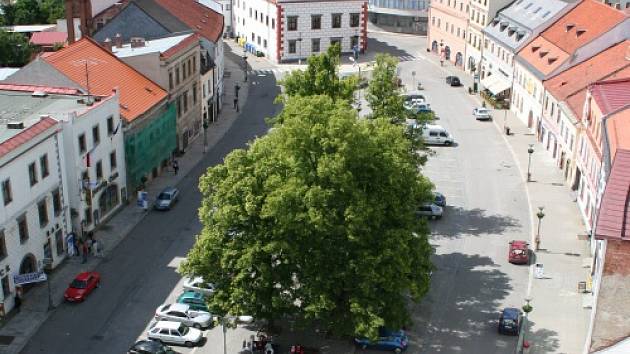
{"x":383,"y":94}
{"x":321,"y":77}
{"x":317,"y":221}
{"x":29,"y":12}
{"x":15,"y":50}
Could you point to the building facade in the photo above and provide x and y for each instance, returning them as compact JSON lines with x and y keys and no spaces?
{"x":448,"y":23}
{"x":291,"y":30}
{"x":480,"y":14}
{"x":403,"y":16}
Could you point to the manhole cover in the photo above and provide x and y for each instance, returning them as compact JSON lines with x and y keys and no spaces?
{"x":97,"y":337}
{"x":6,"y":340}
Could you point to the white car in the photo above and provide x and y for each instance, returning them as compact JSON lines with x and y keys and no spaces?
{"x":197,"y":284}
{"x":482,"y":114}
{"x":182,"y":313}
{"x":175,"y":333}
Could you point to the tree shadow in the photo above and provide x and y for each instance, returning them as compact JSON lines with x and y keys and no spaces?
{"x":457,"y":222}
{"x":460,"y":312}
{"x":542,"y":340}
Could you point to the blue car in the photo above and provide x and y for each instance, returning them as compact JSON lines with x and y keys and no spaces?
{"x":510,"y":321}
{"x":440,"y":199}
{"x":195,"y":300}
{"x":395,"y":341}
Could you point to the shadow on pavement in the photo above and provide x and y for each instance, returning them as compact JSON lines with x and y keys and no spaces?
{"x":542,"y":340}
{"x":458,"y":222}
{"x":460,"y":312}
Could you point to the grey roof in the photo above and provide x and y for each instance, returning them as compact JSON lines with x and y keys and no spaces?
{"x":515,"y":24}
{"x":163,"y":16}
{"x":39,"y":72}
{"x":132,"y":21}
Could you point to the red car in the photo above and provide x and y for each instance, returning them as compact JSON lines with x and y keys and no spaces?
{"x":518,"y":252}
{"x":82,"y":286}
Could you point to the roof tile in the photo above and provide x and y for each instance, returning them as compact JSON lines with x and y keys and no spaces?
{"x":27,"y":134}
{"x":49,"y":38}
{"x":611,"y":95}
{"x":613,"y":221}
{"x":206,"y":21}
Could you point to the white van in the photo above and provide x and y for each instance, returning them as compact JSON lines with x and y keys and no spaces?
{"x":436,"y":135}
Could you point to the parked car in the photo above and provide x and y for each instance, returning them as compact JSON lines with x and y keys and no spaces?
{"x":429,"y":210}
{"x":417,"y":106}
{"x":199,"y":285}
{"x":453,"y":81}
{"x":482,"y":114}
{"x":166,"y":199}
{"x":82,"y":285}
{"x":414,"y":96}
{"x":184,"y":314}
{"x":395,"y":341}
{"x":436,"y":135}
{"x":195,"y":300}
{"x":518,"y":252}
{"x":175,"y":333}
{"x":439,"y":199}
{"x":150,"y":347}
{"x":510,"y":321}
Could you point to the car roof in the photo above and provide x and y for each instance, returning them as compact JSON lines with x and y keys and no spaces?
{"x":511,"y":312}
{"x":167,"y":324}
{"x":190,"y":293}
{"x":179,"y":307}
{"x":83,"y":276}
{"x":519,"y":244}
{"x":433,"y":126}
{"x":147,"y":345}
{"x":169,"y":190}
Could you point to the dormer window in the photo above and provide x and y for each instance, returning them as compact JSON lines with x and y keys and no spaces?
{"x":552,"y":60}
{"x":569,"y":26}
{"x":495,"y":22}
{"x":580,"y":32}
{"x":543,"y":53}
{"x":503,"y":26}
{"x":511,"y":31}
{"x":519,"y":36}
{"x":535,"y":48}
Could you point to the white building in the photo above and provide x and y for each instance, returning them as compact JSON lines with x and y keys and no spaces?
{"x":223,"y":7}
{"x":62,"y":170}
{"x":288,"y":30}
{"x":480,"y":13}
{"x":509,"y":31}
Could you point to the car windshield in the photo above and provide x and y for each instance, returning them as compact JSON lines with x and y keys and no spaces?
{"x":164,"y":196}
{"x":509,"y":322}
{"x":78,"y":284}
{"x":183,"y":330}
{"x":518,"y":252}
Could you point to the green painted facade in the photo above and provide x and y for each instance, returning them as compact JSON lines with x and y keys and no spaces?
{"x":150,"y":145}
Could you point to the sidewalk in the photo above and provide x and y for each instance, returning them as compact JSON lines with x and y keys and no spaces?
{"x":558,"y":322}
{"x":20,"y":327}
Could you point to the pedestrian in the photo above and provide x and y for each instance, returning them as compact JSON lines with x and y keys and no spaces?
{"x":18,"y":302}
{"x":84,"y":249}
{"x":75,"y":245}
{"x":89,"y":242}
{"x":95,"y":246}
{"x":441,"y":62}
{"x":175,"y":166}
{"x":236,"y":103}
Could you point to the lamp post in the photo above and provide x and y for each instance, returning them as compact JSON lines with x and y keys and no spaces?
{"x":205,"y":133}
{"x":527,"y":308}
{"x":299,"y":48}
{"x":530,"y":151}
{"x":540,"y":215}
{"x":244,"y":64}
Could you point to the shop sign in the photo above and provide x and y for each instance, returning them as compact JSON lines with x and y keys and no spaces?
{"x":29,"y":278}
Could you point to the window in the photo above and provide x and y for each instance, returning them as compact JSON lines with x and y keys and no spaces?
{"x":113,"y":164}
{"x":292,"y":44}
{"x":43,"y":165}
{"x":189,"y":67}
{"x":56,"y":200}
{"x":354,"y":41}
{"x":82,"y":144}
{"x":355,"y":19}
{"x":316,"y":22}
{"x":7,"y":195}
{"x":3,"y":247}
{"x":96,"y":135}
{"x":170,"y":80}
{"x":335,"y":41}
{"x":267,"y":20}
{"x":177,"y":75}
{"x":99,"y":170}
{"x":6,"y":290}
{"x":110,"y":126}
{"x":292,"y":23}
{"x":253,"y":36}
{"x":184,"y":71}
{"x":59,"y":242}
{"x":258,"y":40}
{"x":42,"y":211}
{"x":194,"y":93}
{"x":194,"y":64}
{"x":273,"y":23}
{"x":32,"y":173}
{"x":22,"y":228}
{"x":185,"y":97}
{"x":315,"y":45}
{"x":264,"y":43}
{"x":336,"y":20}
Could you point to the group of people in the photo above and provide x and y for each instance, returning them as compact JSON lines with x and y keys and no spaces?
{"x":88,"y":246}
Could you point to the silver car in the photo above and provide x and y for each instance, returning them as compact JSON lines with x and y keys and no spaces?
{"x":482,"y":114}
{"x":182,"y":313}
{"x":430,"y":210}
{"x":175,"y":333}
{"x":166,"y":199}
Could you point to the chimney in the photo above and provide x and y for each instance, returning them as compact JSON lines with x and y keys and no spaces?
{"x":137,"y":42}
{"x":69,"y":21}
{"x":107,"y":44}
{"x":118,"y":41}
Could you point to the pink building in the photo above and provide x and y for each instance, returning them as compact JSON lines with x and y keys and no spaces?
{"x":448,"y":21}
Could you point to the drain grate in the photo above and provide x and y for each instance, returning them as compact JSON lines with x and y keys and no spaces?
{"x":6,"y":340}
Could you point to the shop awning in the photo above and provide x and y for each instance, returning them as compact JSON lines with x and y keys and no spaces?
{"x":495,"y":84}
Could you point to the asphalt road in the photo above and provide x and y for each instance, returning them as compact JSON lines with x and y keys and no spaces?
{"x":141,"y":273}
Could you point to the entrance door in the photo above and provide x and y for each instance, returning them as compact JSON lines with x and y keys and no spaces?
{"x":530,"y":119}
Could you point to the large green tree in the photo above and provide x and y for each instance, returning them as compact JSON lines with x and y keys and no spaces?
{"x":317,"y":221}
{"x":51,"y":10}
{"x":383,"y":94}
{"x":27,"y":12}
{"x":321,"y":77}
{"x":15,"y":50}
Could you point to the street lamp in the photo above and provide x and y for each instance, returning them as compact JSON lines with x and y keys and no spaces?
{"x":527,"y":308}
{"x":299,"y":48}
{"x":244,"y":64}
{"x":530,"y":151}
{"x":540,"y":215}
{"x":205,"y":132}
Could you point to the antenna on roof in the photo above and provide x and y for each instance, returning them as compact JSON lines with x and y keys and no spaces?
{"x":87,"y":84}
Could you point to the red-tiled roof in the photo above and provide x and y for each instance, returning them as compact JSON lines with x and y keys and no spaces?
{"x":611,"y":95}
{"x":194,"y":38}
{"x":27,"y":134}
{"x":34,"y":88}
{"x":138,"y":94}
{"x":571,"y":84}
{"x":200,"y":18}
{"x":613,"y":221}
{"x":585,"y":22}
{"x":48,"y":38}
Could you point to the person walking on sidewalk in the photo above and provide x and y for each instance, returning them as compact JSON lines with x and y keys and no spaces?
{"x":175,"y":166}
{"x":18,"y":302}
{"x":236,"y":103}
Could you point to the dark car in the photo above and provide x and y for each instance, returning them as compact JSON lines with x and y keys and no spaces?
{"x":439,"y":200}
{"x":453,"y":81}
{"x":388,"y":340}
{"x":166,"y":199}
{"x":150,"y":347}
{"x":510,"y":321}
